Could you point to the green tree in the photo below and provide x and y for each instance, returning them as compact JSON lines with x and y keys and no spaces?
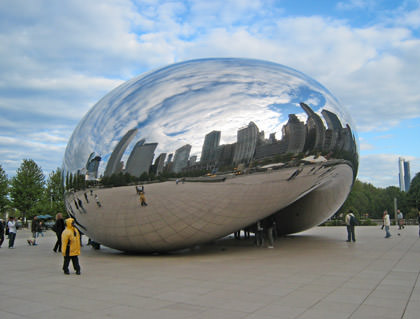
{"x":413,"y":196}
{"x":4,"y":191}
{"x":27,"y":187}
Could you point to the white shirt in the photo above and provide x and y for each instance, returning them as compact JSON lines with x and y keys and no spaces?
{"x":12,"y":226}
{"x":387,"y":221}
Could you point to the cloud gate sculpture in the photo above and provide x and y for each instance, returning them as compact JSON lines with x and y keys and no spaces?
{"x":197,"y":150}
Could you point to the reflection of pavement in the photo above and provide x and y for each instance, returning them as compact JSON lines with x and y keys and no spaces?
{"x":194,"y":212}
{"x":315,"y":274}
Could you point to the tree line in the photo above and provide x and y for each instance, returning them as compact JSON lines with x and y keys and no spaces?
{"x":366,"y":200}
{"x":29,"y":193}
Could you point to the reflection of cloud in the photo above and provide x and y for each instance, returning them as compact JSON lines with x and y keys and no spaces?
{"x":181,"y":103}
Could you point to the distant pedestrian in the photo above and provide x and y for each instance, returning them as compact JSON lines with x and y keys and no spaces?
{"x":86,"y":197}
{"x":259,"y":235}
{"x":268,"y":227}
{"x":400,"y":218}
{"x":70,"y":239}
{"x":12,"y":229}
{"x":418,"y":221}
{"x":35,"y":229}
{"x":97,"y":200}
{"x":387,"y":224}
{"x":351,"y":222}
{"x":1,"y":232}
{"x":58,"y":229}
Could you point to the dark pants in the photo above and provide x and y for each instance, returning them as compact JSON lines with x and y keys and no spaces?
{"x":75,"y":261}
{"x":1,"y":238}
{"x":58,"y":243}
{"x":12,"y":237}
{"x":350,"y":233}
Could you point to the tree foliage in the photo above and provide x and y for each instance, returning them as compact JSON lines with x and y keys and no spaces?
{"x":368,"y":200}
{"x":4,"y":191}
{"x":27,"y":187}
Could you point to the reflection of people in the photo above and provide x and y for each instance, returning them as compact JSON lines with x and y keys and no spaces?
{"x":58,"y":228}
{"x":400,"y":219}
{"x":387,"y":224}
{"x":350,"y":223}
{"x":70,"y":239}
{"x":86,"y":197}
{"x":142,"y":199}
{"x":11,"y":224}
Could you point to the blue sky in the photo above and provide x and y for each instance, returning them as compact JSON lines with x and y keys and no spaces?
{"x":57,"y":59}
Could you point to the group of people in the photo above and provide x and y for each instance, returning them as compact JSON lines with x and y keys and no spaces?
{"x":68,"y":238}
{"x":10,"y":229}
{"x":351,"y":222}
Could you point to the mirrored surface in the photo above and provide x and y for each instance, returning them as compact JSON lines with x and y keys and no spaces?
{"x":200,"y":149}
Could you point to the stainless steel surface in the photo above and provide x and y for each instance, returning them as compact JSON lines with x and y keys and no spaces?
{"x":222,"y":144}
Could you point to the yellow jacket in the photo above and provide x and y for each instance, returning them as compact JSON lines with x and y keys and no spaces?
{"x":70,"y":236}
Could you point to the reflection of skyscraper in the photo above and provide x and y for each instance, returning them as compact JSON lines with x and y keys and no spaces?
{"x":114,"y":161}
{"x":141,"y":158}
{"x":404,"y":174}
{"x":247,"y":139}
{"x":315,"y":130}
{"x":159,"y":163}
{"x":181,"y":158}
{"x":294,"y":135}
{"x":92,"y":166}
{"x":332,"y":135}
{"x":211,"y":142}
{"x":224,"y":154}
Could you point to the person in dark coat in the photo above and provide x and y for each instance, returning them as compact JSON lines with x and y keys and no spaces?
{"x":58,"y":227}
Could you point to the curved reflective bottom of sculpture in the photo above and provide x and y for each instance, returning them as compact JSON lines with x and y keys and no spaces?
{"x":197,"y":150}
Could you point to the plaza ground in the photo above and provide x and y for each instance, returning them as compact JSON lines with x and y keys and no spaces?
{"x":313,"y":274}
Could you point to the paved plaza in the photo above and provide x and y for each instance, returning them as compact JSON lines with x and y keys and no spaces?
{"x":313,"y":274}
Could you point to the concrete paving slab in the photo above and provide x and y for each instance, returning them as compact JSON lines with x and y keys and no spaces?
{"x":313,"y":274}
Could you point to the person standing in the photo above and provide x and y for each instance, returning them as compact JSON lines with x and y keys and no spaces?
{"x":58,"y":228}
{"x":400,"y":218}
{"x":35,"y":229}
{"x":70,"y":240}
{"x":350,"y":224}
{"x":1,"y":232}
{"x":268,"y":227}
{"x":11,"y":224}
{"x":387,"y":224}
{"x":418,"y":221}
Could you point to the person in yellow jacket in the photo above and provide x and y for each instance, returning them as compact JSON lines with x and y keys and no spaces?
{"x":70,"y":241}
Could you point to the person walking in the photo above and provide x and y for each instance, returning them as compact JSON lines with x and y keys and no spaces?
{"x":58,"y":229}
{"x":11,"y":224}
{"x":387,"y":224}
{"x":142,"y":199}
{"x":351,"y":222}
{"x":70,"y":240}
{"x":1,"y":232}
{"x":400,"y":218}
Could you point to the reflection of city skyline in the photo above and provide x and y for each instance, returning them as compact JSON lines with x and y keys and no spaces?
{"x":251,"y":145}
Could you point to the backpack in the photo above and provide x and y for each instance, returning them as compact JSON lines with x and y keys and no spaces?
{"x":353,"y":221}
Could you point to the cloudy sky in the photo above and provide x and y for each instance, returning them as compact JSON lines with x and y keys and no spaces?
{"x":58,"y":58}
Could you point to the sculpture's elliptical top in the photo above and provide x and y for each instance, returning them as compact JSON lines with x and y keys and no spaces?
{"x":217,"y":144}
